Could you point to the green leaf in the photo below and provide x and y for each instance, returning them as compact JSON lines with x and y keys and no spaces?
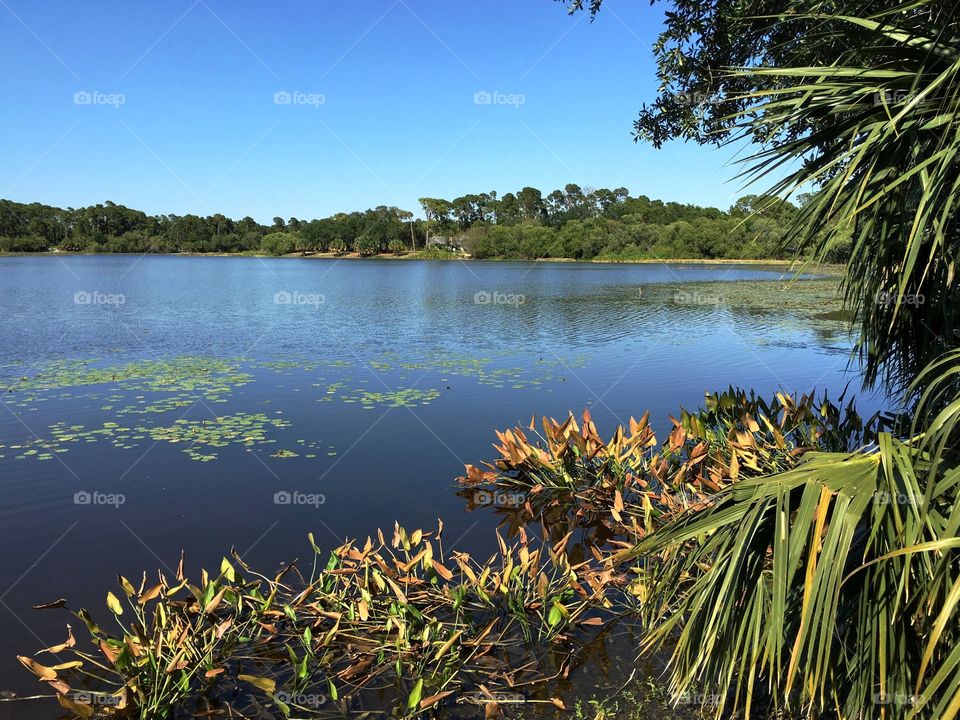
{"x":413,"y":702}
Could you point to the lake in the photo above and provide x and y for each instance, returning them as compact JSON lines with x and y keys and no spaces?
{"x":158,"y":403}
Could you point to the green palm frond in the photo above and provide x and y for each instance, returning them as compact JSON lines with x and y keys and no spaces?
{"x":817,"y":588}
{"x":834,"y":588}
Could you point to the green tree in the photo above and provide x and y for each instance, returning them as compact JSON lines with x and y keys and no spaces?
{"x":279,"y":243}
{"x":367,"y":245}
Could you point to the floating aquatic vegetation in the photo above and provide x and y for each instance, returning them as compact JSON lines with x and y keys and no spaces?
{"x":405,"y":397}
{"x":300,"y":364}
{"x":133,"y":392}
{"x":484,"y":370}
{"x":203,"y":436}
{"x":186,"y":373}
{"x":63,"y":435}
{"x":795,"y":302}
{"x":330,"y":390}
{"x":174,"y":383}
{"x":402,"y":629}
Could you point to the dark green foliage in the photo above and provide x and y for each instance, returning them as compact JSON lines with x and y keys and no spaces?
{"x":610,"y":225}
{"x":570,"y":223}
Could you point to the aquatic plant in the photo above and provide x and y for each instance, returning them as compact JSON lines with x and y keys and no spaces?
{"x":570,"y":478}
{"x":337,"y":634}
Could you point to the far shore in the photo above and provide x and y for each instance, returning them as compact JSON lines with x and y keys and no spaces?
{"x":462,"y":258}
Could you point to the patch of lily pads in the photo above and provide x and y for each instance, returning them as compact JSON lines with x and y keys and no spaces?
{"x":132,"y":393}
{"x":488,"y":371}
{"x":405,"y":397}
{"x":204,"y":437}
{"x":163,"y":385}
{"x":201,"y":439}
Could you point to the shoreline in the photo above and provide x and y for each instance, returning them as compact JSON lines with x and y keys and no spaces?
{"x":416,"y":256}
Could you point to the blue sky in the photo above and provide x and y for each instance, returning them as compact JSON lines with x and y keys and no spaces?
{"x":178,"y":107}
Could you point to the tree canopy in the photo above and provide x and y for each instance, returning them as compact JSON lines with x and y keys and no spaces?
{"x":572,"y":222}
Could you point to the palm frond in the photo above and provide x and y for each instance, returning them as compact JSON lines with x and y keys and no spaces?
{"x":834,"y":587}
{"x":883,"y":147}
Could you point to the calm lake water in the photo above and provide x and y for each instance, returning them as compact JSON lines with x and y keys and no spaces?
{"x":159,"y":403}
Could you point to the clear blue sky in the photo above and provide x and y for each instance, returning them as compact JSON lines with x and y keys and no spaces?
{"x":198,"y":129}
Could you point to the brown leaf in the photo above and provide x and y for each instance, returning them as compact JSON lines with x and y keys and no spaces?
{"x":110,"y":653}
{"x":592,"y":621}
{"x":397,"y":591}
{"x":215,"y":601}
{"x":150,"y":594}
{"x":492,"y":711}
{"x":177,"y":663}
{"x":442,"y":571}
{"x":41,"y":671}
{"x":60,"y":686}
{"x":355,"y":669}
{"x":434,"y":699}
{"x":68,"y":643}
{"x":223,"y":627}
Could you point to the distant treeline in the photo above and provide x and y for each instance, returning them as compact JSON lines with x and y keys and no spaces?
{"x":570,"y":223}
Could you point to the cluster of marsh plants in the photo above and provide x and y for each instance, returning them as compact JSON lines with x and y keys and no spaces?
{"x":569,"y":477}
{"x":394,"y":627}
